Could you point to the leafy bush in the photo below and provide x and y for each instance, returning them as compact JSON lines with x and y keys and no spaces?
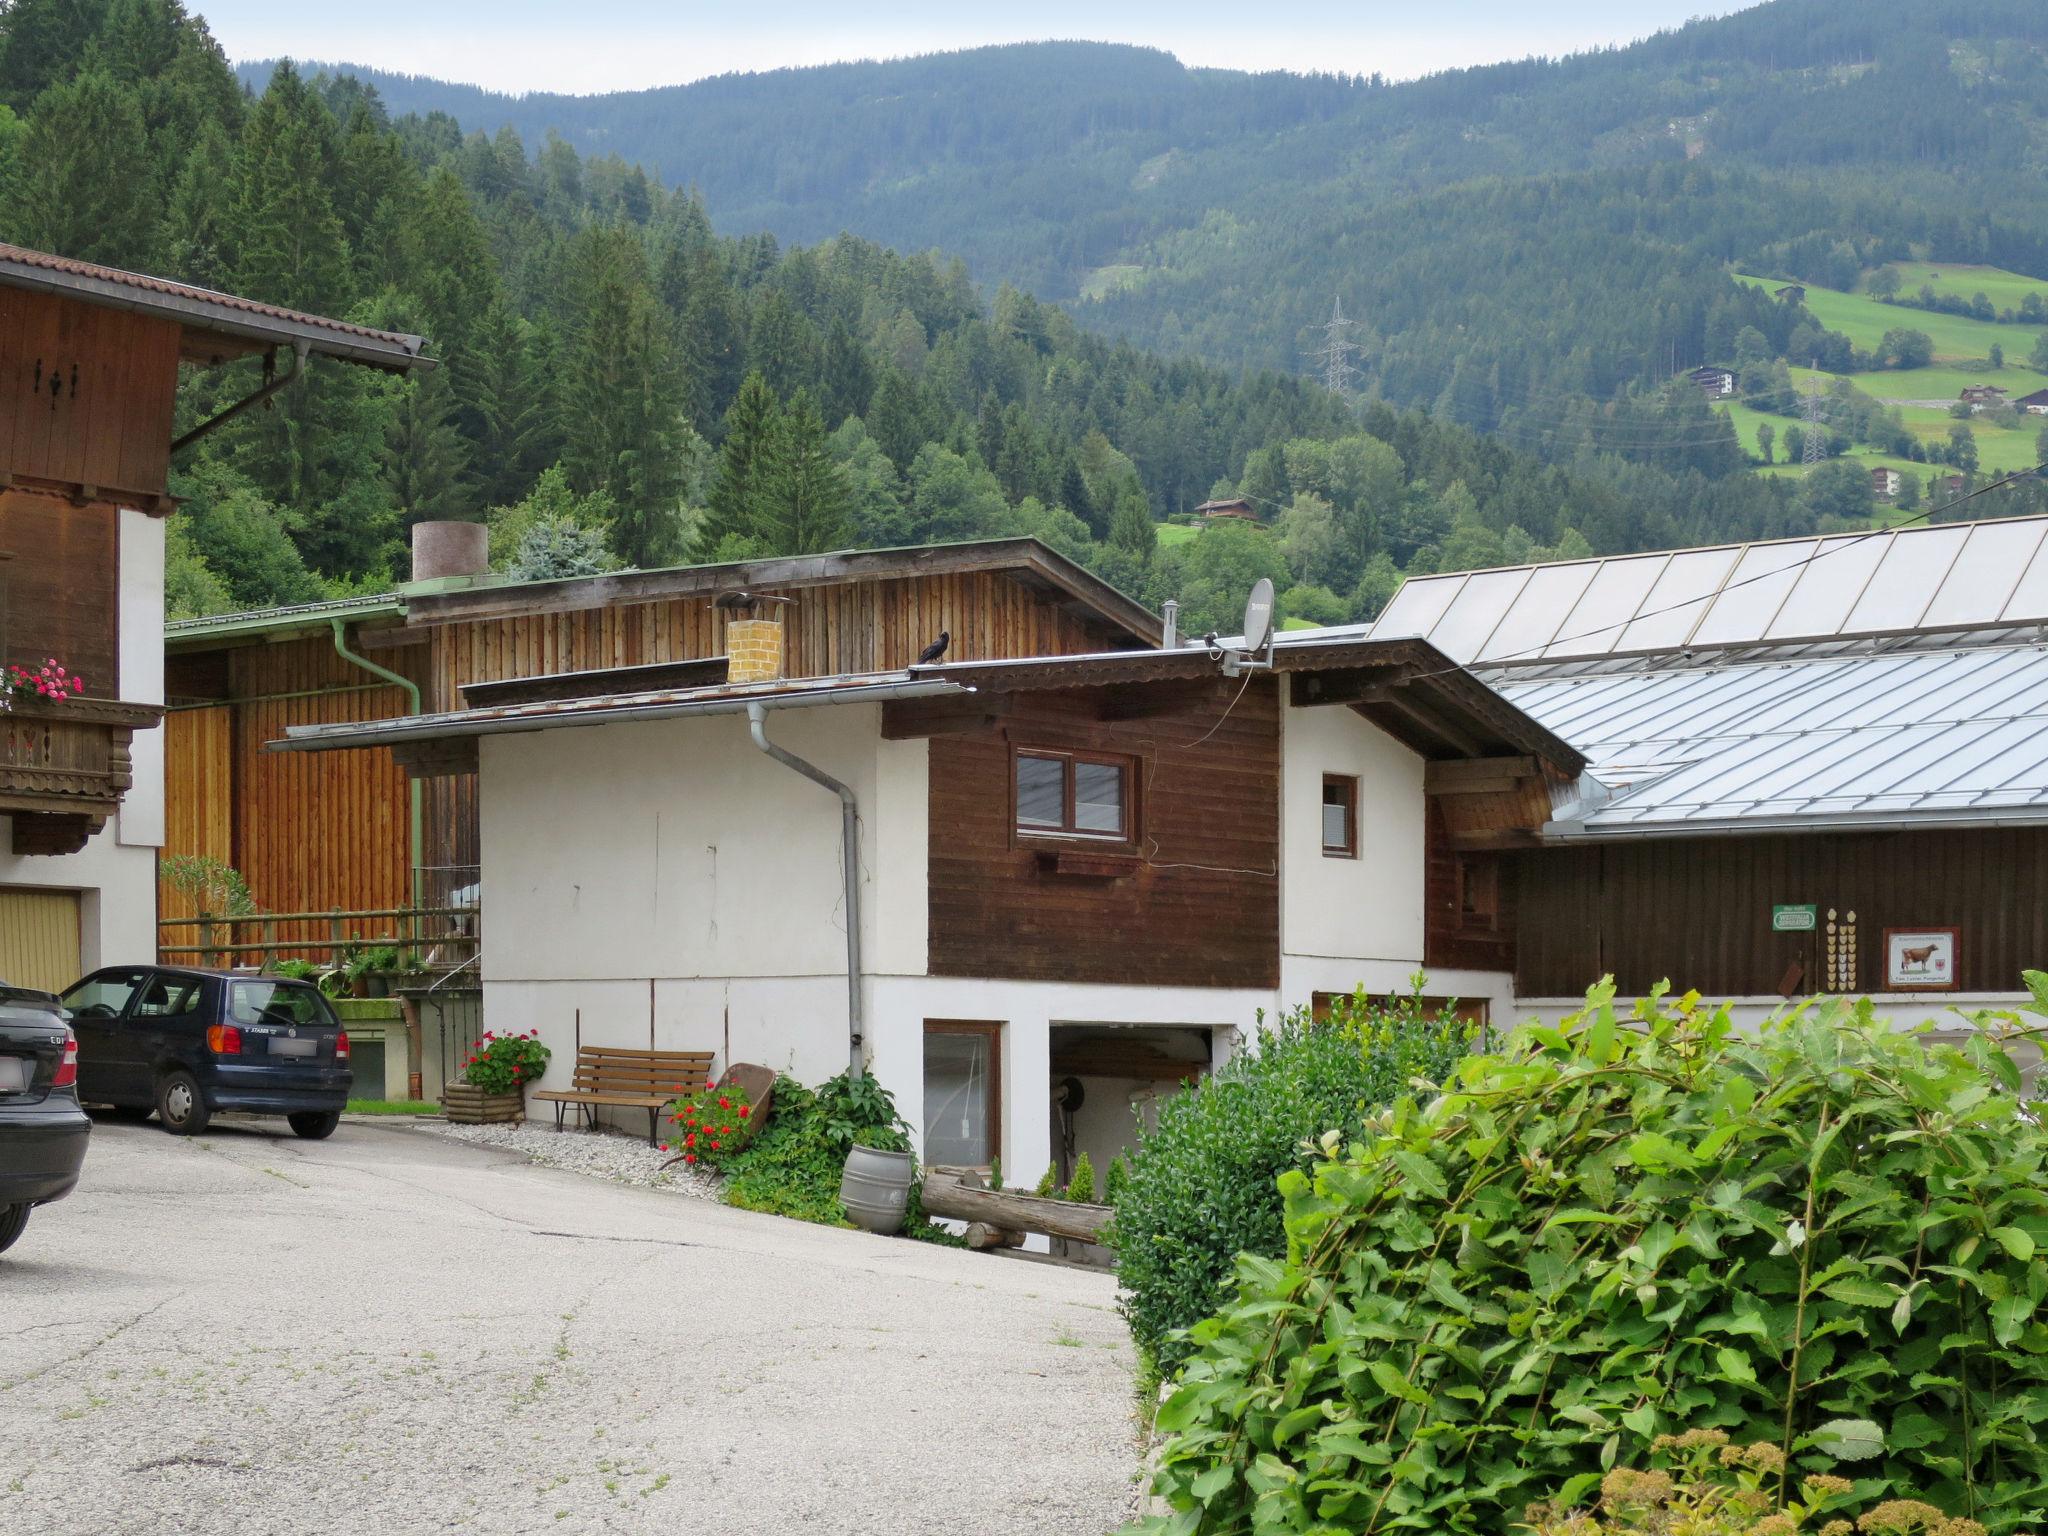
{"x":1114,"y":1178}
{"x":1201,"y":1188}
{"x":501,"y":1063}
{"x":1827,"y":1236}
{"x":793,"y":1165}
{"x":1049,"y":1183}
{"x":295,"y":970}
{"x":1081,"y":1187}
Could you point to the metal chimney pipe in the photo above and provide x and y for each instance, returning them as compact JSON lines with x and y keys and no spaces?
{"x":1170,"y":613}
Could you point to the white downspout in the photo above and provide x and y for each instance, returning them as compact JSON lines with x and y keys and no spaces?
{"x":849,"y":835}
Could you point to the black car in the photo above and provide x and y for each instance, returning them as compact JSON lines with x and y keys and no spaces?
{"x":42,"y":1130}
{"x":189,"y":1044}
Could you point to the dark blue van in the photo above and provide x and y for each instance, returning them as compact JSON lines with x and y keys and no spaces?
{"x":188,"y":1044}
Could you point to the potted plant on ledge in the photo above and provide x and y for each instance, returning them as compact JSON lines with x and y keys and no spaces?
{"x":494,"y":1079}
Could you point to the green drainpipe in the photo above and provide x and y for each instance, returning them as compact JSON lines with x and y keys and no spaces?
{"x":412,"y":707}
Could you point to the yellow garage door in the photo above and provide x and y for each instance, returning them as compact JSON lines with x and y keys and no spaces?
{"x":38,"y":937}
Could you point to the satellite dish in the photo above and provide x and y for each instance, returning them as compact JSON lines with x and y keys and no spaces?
{"x":1258,"y":616}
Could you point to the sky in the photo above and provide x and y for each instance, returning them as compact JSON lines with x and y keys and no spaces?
{"x":606,"y":45}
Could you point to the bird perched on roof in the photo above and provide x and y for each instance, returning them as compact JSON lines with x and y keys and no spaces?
{"x":936,"y":649}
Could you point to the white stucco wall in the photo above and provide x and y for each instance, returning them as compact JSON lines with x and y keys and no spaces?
{"x":115,"y":873}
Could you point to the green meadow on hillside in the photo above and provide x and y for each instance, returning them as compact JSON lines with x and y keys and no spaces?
{"x":1864,"y":321}
{"x":1961,"y":280}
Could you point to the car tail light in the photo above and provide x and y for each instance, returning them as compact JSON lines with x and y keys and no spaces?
{"x":67,"y":1067}
{"x":223,"y":1039}
{"x":341,"y":1046}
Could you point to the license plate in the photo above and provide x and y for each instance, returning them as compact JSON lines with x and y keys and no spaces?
{"x":281,"y":1047}
{"x":15,"y":1072}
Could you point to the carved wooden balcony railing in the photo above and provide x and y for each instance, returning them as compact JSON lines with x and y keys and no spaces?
{"x":64,"y":767}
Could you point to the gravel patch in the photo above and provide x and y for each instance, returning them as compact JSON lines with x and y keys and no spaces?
{"x":618,"y":1157}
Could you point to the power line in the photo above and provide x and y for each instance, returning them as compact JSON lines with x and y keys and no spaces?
{"x":1334,"y":354}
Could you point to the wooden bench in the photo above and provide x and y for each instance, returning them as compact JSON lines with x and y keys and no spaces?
{"x":616,"y":1077}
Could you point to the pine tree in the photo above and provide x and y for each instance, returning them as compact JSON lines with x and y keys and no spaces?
{"x":85,"y":188}
{"x":1131,"y":528}
{"x":199,"y":222}
{"x":290,"y":247}
{"x":42,"y":44}
{"x":426,"y":461}
{"x":745,"y":468}
{"x":807,"y":509}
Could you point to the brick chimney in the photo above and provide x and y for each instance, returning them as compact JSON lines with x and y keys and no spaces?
{"x":753,"y":647}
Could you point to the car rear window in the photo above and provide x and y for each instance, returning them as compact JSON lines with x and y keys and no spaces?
{"x":276,"y":1002}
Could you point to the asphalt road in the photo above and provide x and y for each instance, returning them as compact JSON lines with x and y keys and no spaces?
{"x":393,"y":1331}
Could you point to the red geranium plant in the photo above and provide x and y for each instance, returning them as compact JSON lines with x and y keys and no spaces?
{"x":505,"y":1063}
{"x":706,"y":1127}
{"x":49,"y":681}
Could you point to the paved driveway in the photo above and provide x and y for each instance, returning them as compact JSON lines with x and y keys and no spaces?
{"x":392,"y":1331}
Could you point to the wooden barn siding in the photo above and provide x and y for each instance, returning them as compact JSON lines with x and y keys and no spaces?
{"x":309,"y":832}
{"x":112,"y":429}
{"x":1449,"y":941}
{"x":60,"y":586}
{"x":994,"y":911}
{"x":1698,"y":911}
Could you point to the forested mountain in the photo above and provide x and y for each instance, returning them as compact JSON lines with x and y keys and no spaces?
{"x":622,"y":383}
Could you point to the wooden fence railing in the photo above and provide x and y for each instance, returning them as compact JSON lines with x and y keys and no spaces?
{"x":438,"y":938}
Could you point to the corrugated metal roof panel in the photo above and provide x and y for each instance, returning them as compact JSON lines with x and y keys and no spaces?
{"x":1881,"y":737}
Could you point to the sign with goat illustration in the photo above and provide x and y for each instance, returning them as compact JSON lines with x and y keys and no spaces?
{"x":1920,"y":959}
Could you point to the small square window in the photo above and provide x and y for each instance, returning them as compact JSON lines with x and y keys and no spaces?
{"x":1060,"y":794}
{"x":1340,"y":816}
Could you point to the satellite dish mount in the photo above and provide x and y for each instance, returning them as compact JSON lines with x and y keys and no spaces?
{"x":1256,"y":654}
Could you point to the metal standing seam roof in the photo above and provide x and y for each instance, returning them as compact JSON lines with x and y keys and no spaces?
{"x":1952,"y":576}
{"x":206,"y":312}
{"x":1808,"y":742}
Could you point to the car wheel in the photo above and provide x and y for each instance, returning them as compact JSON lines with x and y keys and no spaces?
{"x":180,"y":1105}
{"x":315,"y":1127}
{"x":12,"y":1219}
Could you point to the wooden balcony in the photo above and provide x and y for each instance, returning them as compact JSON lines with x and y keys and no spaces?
{"x":64,"y":768}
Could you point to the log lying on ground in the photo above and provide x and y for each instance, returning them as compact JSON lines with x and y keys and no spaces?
{"x":949,"y":1192}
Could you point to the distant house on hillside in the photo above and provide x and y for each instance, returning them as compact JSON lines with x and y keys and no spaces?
{"x":2035,"y":404}
{"x":1234,"y":507}
{"x":1793,"y":293}
{"x":1983,"y":397}
{"x":1714,"y":383}
{"x":1954,"y":484}
{"x":1884,"y":483}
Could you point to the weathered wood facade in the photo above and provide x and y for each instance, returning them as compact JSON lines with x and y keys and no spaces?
{"x":1697,"y":911}
{"x":329,"y":832}
{"x":1194,"y":901}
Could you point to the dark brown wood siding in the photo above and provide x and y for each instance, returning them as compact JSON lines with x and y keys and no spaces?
{"x":86,"y":393}
{"x":1452,"y":937}
{"x":1198,"y":901}
{"x":60,"y":587}
{"x":1698,"y":911}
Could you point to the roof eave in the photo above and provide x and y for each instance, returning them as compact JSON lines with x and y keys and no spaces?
{"x":1564,"y":832}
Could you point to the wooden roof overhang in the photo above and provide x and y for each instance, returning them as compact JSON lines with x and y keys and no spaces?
{"x":214,"y":327}
{"x":1490,"y":768}
{"x":1025,"y":560}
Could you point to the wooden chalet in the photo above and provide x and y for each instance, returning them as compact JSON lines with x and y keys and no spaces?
{"x":1714,"y":383}
{"x":89,"y":360}
{"x":1229,"y":509}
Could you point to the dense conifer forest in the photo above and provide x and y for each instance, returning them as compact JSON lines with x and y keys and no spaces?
{"x":623,"y":383}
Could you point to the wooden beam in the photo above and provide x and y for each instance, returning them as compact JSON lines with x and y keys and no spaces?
{"x":916,"y":719}
{"x":1403,"y":702}
{"x":1358,"y":685}
{"x":947,"y":1192}
{"x":1479,"y":775}
{"x":447,"y":757}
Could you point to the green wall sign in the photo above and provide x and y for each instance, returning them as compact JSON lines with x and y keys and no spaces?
{"x":1795,"y":919}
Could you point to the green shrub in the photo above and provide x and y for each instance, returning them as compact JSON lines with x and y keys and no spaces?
{"x":295,"y":970}
{"x":1827,"y":1235}
{"x":1049,"y":1186}
{"x":503,"y":1063}
{"x":1202,"y":1186}
{"x":1081,"y":1187}
{"x":1114,"y":1178}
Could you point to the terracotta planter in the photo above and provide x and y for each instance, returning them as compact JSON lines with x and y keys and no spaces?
{"x":470,"y":1105}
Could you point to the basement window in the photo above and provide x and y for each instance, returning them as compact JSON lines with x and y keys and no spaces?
{"x":1067,"y":794}
{"x":1340,"y":816}
{"x":963,"y":1093}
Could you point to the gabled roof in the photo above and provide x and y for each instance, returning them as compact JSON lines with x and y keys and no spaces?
{"x":217,"y":326}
